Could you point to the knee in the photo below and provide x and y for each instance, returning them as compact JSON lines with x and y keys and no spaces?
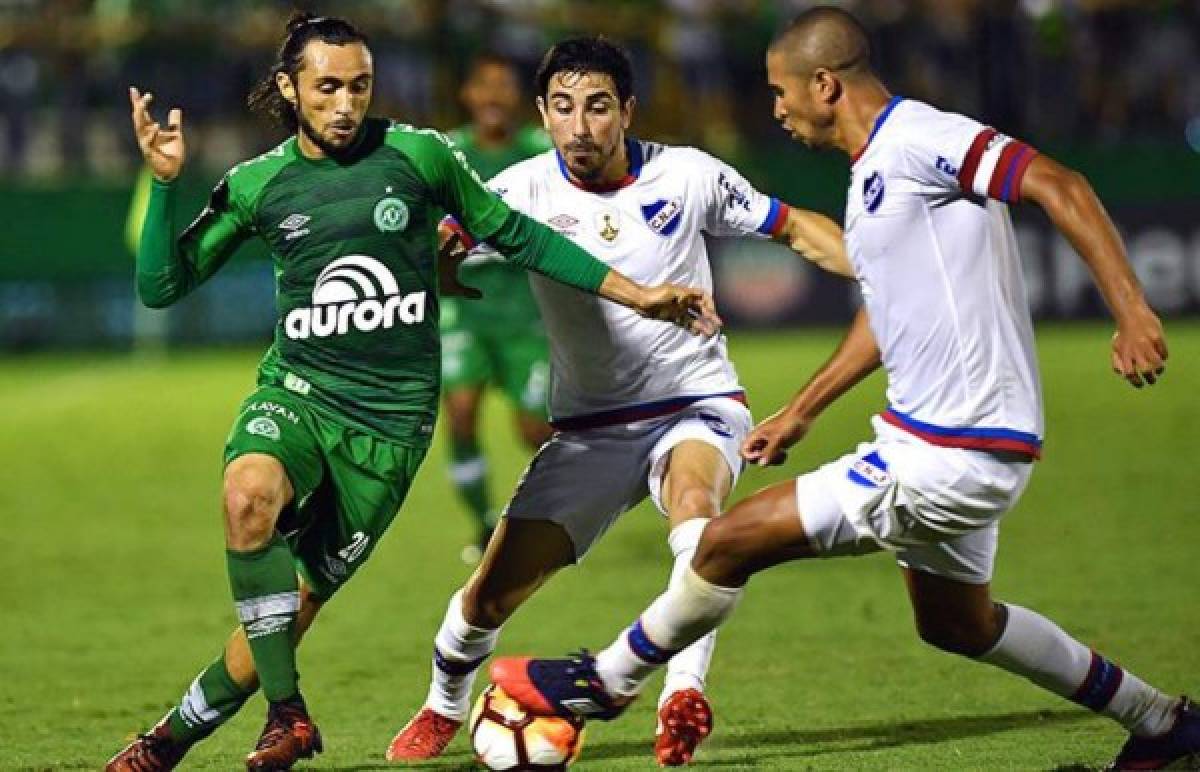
{"x":726,"y":547}
{"x":693,"y":499}
{"x":968,"y":637}
{"x":252,"y":501}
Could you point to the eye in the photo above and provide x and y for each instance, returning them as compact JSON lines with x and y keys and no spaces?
{"x":327,"y":88}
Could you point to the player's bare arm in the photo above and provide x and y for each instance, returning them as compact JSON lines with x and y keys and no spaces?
{"x":161,"y":146}
{"x":1139,"y":349}
{"x":856,"y":357}
{"x":817,"y":239}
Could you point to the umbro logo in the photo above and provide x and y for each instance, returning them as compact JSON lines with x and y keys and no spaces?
{"x":294,"y":225}
{"x":562,"y":222}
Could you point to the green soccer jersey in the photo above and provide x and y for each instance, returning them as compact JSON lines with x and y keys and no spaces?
{"x":353,"y":242}
{"x":507,"y":303}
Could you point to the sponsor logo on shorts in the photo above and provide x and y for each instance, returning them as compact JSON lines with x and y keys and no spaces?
{"x":264,"y":427}
{"x":354,"y":292}
{"x":354,"y":550}
{"x":715,"y":423}
{"x":391,"y":215}
{"x":335,"y":570}
{"x":273,"y":408}
{"x":266,"y":626}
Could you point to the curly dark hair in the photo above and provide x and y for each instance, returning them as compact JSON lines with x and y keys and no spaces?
{"x":302,"y":28}
{"x":595,"y":54}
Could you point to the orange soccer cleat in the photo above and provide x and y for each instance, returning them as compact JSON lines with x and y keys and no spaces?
{"x":684,"y":720}
{"x":426,"y":735}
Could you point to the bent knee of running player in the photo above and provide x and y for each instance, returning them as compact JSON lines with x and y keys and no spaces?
{"x":521,"y":556}
{"x":256,"y":488}
{"x":757,"y":533}
{"x":696,"y":481}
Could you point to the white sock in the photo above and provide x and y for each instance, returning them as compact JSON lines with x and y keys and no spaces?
{"x":458,"y":651}
{"x":1034,"y":647}
{"x":688,"y":610}
{"x":688,"y":668}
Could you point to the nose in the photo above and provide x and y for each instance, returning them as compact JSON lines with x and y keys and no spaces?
{"x":343,"y":104}
{"x":579,"y":125}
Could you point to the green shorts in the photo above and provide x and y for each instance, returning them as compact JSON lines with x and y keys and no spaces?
{"x":348,"y":485}
{"x":517,"y":363}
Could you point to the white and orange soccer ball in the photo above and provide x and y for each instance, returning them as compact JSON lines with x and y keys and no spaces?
{"x":505,"y":737}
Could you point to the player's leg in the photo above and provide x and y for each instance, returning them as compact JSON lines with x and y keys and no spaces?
{"x":959,"y":616}
{"x":566,"y":478}
{"x":466,"y":371}
{"x":695,"y":482}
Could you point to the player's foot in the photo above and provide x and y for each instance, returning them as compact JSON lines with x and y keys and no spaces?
{"x":557,"y":687}
{"x":684,"y":720}
{"x":1177,"y":748}
{"x":289,"y":735}
{"x":426,"y":735}
{"x":154,"y":751}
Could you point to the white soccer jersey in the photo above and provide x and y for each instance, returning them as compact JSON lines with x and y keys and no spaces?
{"x":608,"y":364}
{"x":928,"y":232}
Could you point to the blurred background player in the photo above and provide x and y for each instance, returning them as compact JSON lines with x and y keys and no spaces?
{"x":638,"y":412}
{"x":322,"y":454}
{"x":498,"y":339}
{"x":945,"y":313}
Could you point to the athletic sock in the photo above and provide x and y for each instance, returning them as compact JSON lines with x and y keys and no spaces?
{"x":212,"y":699}
{"x":458,"y":650}
{"x":688,"y":668}
{"x":267,"y":595}
{"x":689,"y":609}
{"x":1034,"y":647}
{"x":468,"y":471}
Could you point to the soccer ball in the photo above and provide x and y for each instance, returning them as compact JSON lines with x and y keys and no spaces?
{"x":505,"y":737}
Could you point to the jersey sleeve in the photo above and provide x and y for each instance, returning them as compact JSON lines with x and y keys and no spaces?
{"x":168,"y":267}
{"x":732,"y":206}
{"x":512,"y":188}
{"x":457,"y":188}
{"x":959,"y":154}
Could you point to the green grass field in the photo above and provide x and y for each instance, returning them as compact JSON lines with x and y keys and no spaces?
{"x":114,"y":592}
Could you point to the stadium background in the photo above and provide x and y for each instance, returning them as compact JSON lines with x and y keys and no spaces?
{"x":114,"y":591}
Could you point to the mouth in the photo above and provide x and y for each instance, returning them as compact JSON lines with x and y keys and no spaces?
{"x":342,"y":129}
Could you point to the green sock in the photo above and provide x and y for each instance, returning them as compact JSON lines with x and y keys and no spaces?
{"x":210,"y":701}
{"x":267,"y":595}
{"x":468,"y":470}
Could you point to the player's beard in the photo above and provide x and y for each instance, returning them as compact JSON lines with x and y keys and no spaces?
{"x":328,"y":148}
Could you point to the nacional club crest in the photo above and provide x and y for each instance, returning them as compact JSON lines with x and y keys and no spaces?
{"x":608,"y":224}
{"x":663,"y":216}
{"x":873,"y":192}
{"x":391,"y":215}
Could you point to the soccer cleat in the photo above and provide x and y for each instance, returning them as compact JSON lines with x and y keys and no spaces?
{"x":557,"y":687}
{"x":426,"y":735}
{"x":288,"y":736}
{"x":684,"y":720}
{"x":1177,"y":748}
{"x":154,"y":751}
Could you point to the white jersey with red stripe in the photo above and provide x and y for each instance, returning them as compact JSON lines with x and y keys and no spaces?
{"x":608,"y":364}
{"x":929,"y":234}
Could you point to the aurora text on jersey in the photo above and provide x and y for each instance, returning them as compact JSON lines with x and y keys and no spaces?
{"x":353,"y":242}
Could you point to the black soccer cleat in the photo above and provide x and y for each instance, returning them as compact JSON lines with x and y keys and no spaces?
{"x":1177,"y":748}
{"x":558,"y":687}
{"x":288,"y":736}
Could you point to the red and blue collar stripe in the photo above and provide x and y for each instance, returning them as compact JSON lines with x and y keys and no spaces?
{"x":970,"y":438}
{"x":879,"y":121}
{"x":631,"y":413}
{"x":633,"y":152}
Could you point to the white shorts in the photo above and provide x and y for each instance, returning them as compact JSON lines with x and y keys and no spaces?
{"x":584,"y":480}
{"x":937,"y":508}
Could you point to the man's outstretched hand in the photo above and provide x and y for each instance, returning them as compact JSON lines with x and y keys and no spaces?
{"x":162,"y":146}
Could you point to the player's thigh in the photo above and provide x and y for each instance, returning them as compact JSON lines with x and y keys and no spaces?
{"x":274,"y":434}
{"x":520,"y":557}
{"x":341,"y":523}
{"x":522,"y":369}
{"x":696,"y":461}
{"x":584,"y":481}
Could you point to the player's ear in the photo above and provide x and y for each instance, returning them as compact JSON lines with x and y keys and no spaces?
{"x":627,"y":112}
{"x":827,"y":88}
{"x":287,"y":89}
{"x":541,"y":105}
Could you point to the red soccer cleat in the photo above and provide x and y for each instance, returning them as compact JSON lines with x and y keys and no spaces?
{"x":154,"y":751}
{"x":288,"y":736}
{"x":425,"y":736}
{"x":684,"y":720}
